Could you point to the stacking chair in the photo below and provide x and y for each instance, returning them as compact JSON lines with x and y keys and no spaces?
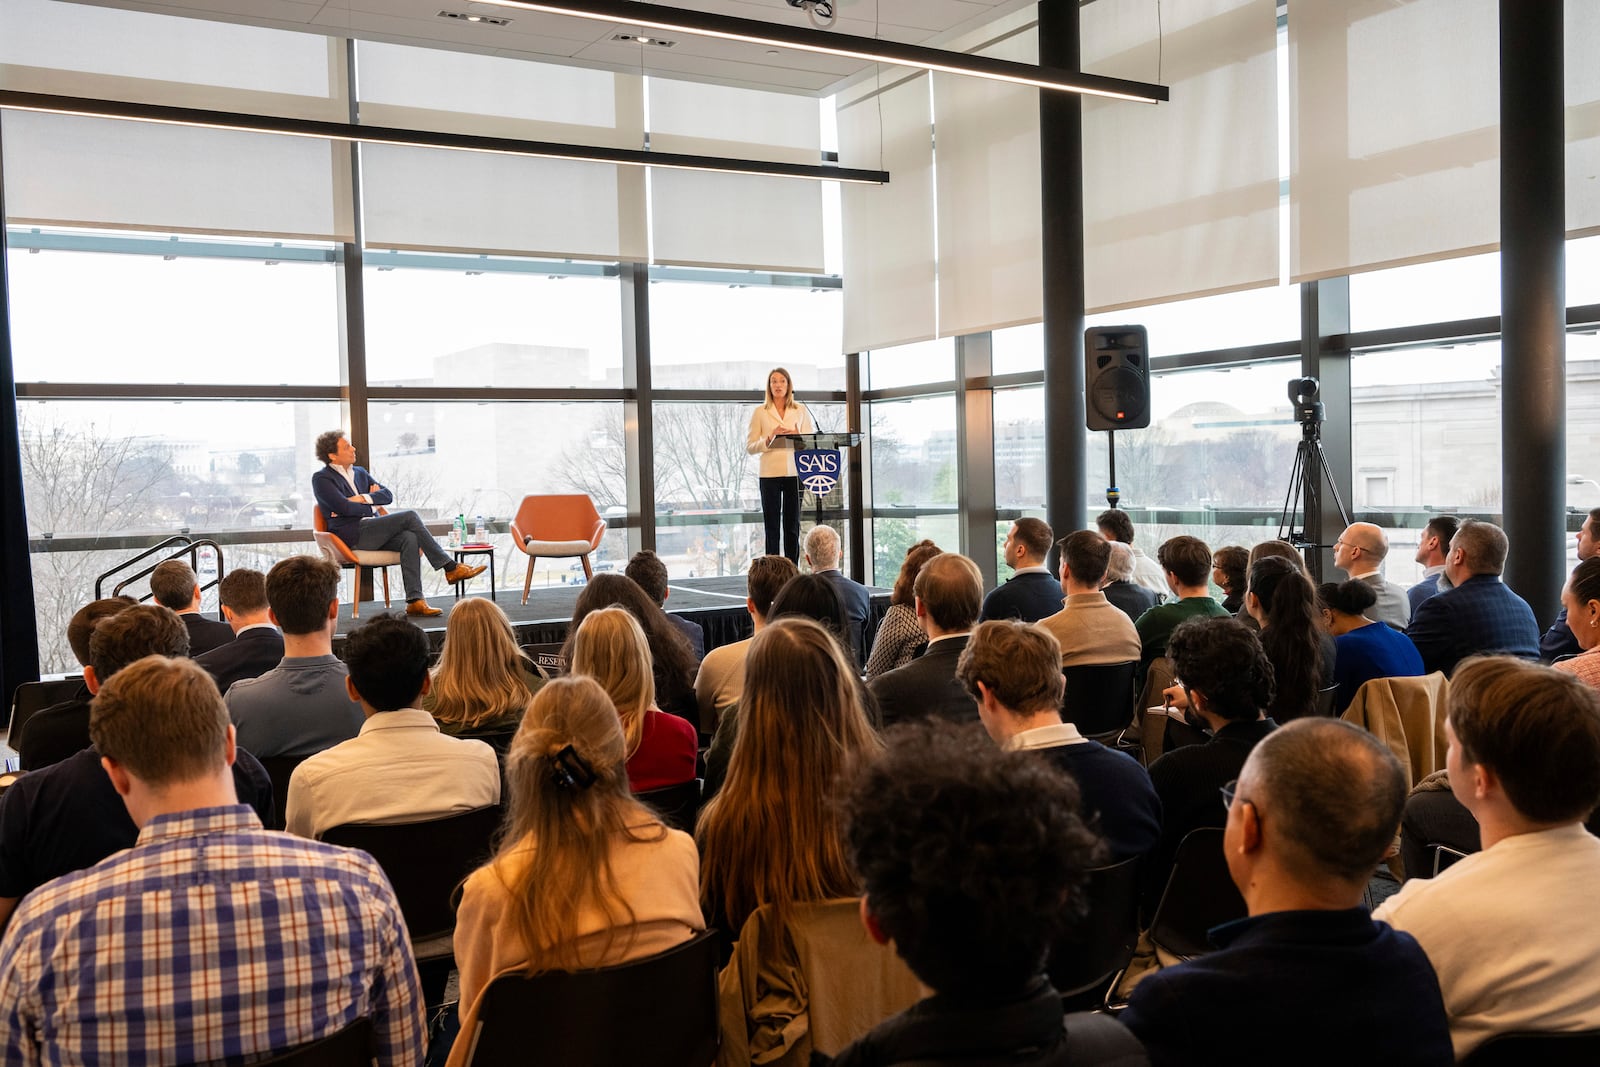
{"x":678,"y":805}
{"x":1088,"y":958}
{"x":1580,"y":1048}
{"x":352,"y":1046}
{"x":668,"y":1005}
{"x":556,"y":527}
{"x":1325,"y":699}
{"x":1099,"y":698}
{"x":31,"y":697}
{"x":280,"y":769}
{"x":341,"y":555}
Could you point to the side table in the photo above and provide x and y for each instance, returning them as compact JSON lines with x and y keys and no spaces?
{"x":461,"y":555}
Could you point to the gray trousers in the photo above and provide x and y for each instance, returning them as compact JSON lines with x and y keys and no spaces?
{"x":403,"y":532}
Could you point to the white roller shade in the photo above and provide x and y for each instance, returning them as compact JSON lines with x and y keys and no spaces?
{"x":1181,"y":199}
{"x":735,"y":220}
{"x":1395,"y":145}
{"x":63,"y":170}
{"x":889,"y":283}
{"x":1582,"y":33}
{"x":986,"y":157}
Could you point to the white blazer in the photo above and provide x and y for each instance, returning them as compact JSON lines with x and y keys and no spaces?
{"x":776,"y":462}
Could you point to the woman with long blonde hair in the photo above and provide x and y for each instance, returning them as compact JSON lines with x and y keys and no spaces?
{"x":586,"y":876}
{"x":610,"y":647}
{"x":483,"y":682}
{"x":771,"y":835}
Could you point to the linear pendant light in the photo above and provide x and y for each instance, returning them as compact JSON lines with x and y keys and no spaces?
{"x":164,"y":114}
{"x":826,"y":42}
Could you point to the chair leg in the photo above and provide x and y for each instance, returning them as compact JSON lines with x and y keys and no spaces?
{"x":588,"y":571}
{"x":355,"y":592}
{"x":387,"y":603}
{"x":527,"y":582}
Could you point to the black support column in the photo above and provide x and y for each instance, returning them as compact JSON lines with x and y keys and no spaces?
{"x":975,"y":446}
{"x":1061,"y":200}
{"x":638,"y":426}
{"x":1325,"y":314}
{"x":855,"y":457}
{"x":1533,"y":397}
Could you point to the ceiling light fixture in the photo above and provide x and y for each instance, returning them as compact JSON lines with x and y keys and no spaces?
{"x":167,"y":115}
{"x":823,"y":42}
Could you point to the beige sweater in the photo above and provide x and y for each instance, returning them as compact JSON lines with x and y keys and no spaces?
{"x":777,"y":461}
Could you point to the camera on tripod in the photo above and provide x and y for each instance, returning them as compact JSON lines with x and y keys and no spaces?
{"x":1303,"y":394}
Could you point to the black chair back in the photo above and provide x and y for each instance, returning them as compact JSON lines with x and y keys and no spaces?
{"x":499,"y":740}
{"x":678,"y":805}
{"x":571,"y":1018}
{"x":1577,"y":1049}
{"x":426,"y":861}
{"x":548,"y":658}
{"x":1200,"y":894}
{"x":1086,"y":960}
{"x":351,"y":1047}
{"x":36,"y":696}
{"x":1099,"y":697}
{"x":1325,"y":701}
{"x":280,"y":769}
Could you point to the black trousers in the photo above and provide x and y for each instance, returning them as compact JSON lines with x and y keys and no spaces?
{"x":780,"y":502}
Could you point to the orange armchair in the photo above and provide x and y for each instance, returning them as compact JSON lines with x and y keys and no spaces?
{"x":335,"y":551}
{"x":557,"y":526}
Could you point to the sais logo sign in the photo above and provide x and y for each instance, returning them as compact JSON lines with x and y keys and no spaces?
{"x":819,"y":470}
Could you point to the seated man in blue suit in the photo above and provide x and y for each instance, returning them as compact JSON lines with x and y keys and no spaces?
{"x":1481,"y":615}
{"x":349,"y":499}
{"x":1032,"y":592}
{"x":823,"y":555}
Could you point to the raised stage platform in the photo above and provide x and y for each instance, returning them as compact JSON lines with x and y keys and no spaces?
{"x":717,"y":604}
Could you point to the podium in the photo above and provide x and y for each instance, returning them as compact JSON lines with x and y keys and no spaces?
{"x":817,"y":460}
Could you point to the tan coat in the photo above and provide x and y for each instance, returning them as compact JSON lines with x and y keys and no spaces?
{"x":1407,"y":715}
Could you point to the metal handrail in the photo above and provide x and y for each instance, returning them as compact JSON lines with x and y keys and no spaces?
{"x":186,"y":546}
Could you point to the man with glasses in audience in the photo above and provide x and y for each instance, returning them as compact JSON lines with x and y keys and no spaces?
{"x":1308,"y":976}
{"x":1360,"y":552}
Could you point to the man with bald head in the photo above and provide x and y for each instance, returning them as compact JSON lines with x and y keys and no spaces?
{"x":1313,"y":812}
{"x":1359,"y":552}
{"x":1481,"y":615}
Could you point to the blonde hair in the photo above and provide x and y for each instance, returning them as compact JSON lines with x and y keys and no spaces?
{"x":480,"y":677}
{"x":788,"y":398}
{"x":771,"y":835}
{"x":611,"y":648}
{"x":555,"y":859}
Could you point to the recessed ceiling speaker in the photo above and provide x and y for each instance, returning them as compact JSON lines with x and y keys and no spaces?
{"x":1117,"y":377}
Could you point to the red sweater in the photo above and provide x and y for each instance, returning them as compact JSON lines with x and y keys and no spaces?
{"x":666,"y":753}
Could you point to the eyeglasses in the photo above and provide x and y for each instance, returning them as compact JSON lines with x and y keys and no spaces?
{"x":1228,"y":792}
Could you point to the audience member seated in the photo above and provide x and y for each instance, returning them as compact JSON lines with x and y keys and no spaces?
{"x":659,"y":749}
{"x":484,"y":681}
{"x":771,"y":834}
{"x":586,"y":876}
{"x":1510,"y":930}
{"x":948,"y":595}
{"x":1130,"y":599}
{"x":1360,"y":552}
{"x":301,"y":706}
{"x":1308,"y":976}
{"x":822,"y":556}
{"x":1432,"y":547}
{"x":399,"y":768}
{"x":901,"y":638}
{"x":1301,"y":652}
{"x":972,"y":912}
{"x":1227,"y":681}
{"x":174,"y":585}
{"x":1230,"y":567}
{"x":1187,"y":562}
{"x":671,"y":658}
{"x":1562,"y":640}
{"x":1281,"y":549}
{"x":1011,"y":670}
{"x":1115,"y":526}
{"x":1364,"y":648}
{"x":209,"y":939}
{"x":720,"y":681}
{"x":648,"y":572}
{"x":1032,"y":592}
{"x":67,"y":816}
{"x":1481,"y":615}
{"x":52,"y":734}
{"x":1088,"y":627}
{"x":257,"y":646}
{"x":1580,"y":613}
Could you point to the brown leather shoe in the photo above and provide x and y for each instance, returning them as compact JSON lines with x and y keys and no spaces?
{"x":460,"y":572}
{"x":422,"y":609}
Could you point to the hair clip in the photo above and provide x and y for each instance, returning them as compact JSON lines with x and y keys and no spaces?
{"x":571,"y":771}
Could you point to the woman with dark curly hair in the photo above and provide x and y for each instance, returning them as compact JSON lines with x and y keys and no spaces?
{"x":671,"y":658}
{"x":1364,"y":648}
{"x":1283,"y":603}
{"x":1228,"y":566}
{"x":900,"y":635}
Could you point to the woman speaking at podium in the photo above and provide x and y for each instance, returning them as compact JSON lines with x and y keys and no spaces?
{"x":780,"y":482}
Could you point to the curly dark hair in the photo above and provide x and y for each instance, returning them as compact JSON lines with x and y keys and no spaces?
{"x":916,"y":556}
{"x":1117,"y":524}
{"x":1232,"y":561}
{"x":972,"y":858}
{"x":1223,"y":659}
{"x":327,"y":443}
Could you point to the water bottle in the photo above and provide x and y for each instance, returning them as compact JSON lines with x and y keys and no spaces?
{"x":479,"y":533}
{"x":455,"y":533}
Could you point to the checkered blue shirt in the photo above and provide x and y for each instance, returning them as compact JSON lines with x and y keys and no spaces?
{"x":210,"y":940}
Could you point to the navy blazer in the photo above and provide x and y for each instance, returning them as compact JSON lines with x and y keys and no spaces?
{"x":343,"y":514}
{"x":1029,"y":597}
{"x":1480,"y":616}
{"x":927,"y":687}
{"x":250,"y":655}
{"x":857,"y":605}
{"x":205,"y":634}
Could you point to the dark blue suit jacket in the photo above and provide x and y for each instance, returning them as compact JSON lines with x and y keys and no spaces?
{"x":1479,"y":616}
{"x":250,"y":655}
{"x":857,"y":605}
{"x":343,"y":514}
{"x":1029,"y":597}
{"x":1558,"y":640}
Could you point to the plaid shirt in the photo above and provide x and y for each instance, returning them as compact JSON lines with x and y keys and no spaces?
{"x":210,"y":939}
